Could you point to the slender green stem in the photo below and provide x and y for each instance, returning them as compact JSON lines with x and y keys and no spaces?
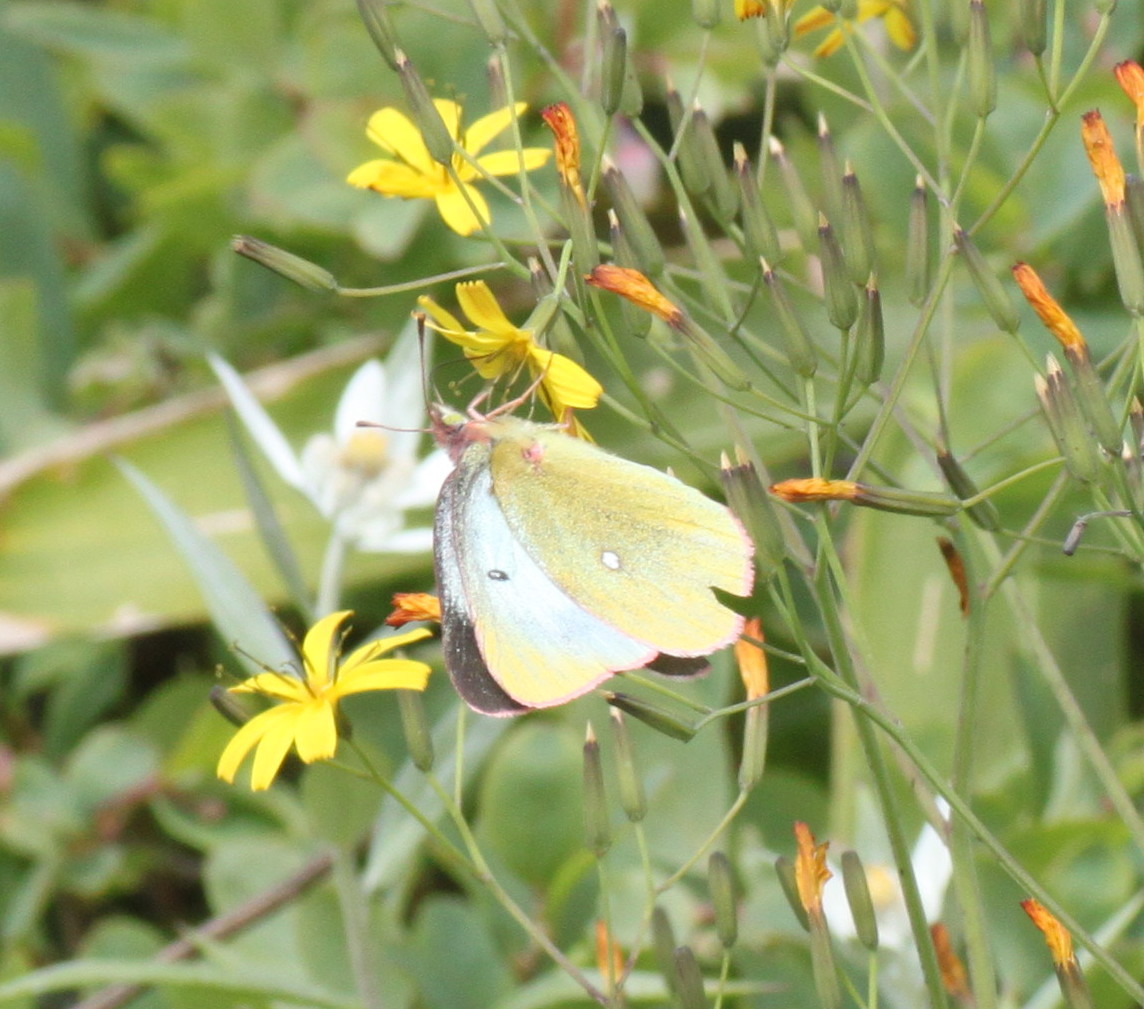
{"x":330,"y":579}
{"x":420,"y":284}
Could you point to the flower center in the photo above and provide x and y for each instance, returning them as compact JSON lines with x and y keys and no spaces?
{"x":365,"y":454}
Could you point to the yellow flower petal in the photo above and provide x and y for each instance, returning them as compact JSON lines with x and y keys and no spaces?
{"x":392,"y":131}
{"x":816,"y":17}
{"x":565,"y":383}
{"x":373,"y":649}
{"x":456,"y":212}
{"x":511,"y":162}
{"x":319,"y":649}
{"x":315,"y":731}
{"x":446,"y":323}
{"x":900,"y":29}
{"x":391,"y":178}
{"x":829,"y":45}
{"x":278,"y":685}
{"x":483,"y":310}
{"x":388,"y":674}
{"x":275,"y":744}
{"x":483,"y":130}
{"x":243,"y":742}
{"x":450,"y":113}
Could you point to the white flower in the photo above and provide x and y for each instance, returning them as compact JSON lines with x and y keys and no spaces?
{"x":363,"y":479}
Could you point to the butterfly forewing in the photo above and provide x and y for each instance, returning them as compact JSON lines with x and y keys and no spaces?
{"x":628,"y":544}
{"x":536,"y":642}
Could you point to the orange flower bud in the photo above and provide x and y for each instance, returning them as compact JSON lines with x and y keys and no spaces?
{"x":1054,"y":317}
{"x":810,"y":869}
{"x":956,"y":565}
{"x":752,"y":660}
{"x":609,"y":957}
{"x":1056,"y":938}
{"x":1130,"y":77}
{"x":634,"y":286}
{"x":558,"y":118}
{"x":1102,"y":156}
{"x":815,"y":488}
{"x":953,"y":975}
{"x":409,"y":607}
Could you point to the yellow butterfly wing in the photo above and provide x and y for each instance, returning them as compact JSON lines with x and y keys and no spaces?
{"x":634,"y":547}
{"x":509,"y":633}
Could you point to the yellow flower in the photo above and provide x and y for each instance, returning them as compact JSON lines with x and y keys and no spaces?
{"x":497,"y":348}
{"x":411,"y":171}
{"x":892,"y":12}
{"x":305,"y":718}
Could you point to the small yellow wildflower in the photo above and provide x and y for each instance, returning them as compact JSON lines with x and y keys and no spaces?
{"x":412,"y":173}
{"x":498,"y":348}
{"x":305,"y":718}
{"x":892,"y":12}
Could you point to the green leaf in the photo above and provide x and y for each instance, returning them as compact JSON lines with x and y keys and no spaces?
{"x":237,"y":611}
{"x":531,"y":812}
{"x":455,"y":961}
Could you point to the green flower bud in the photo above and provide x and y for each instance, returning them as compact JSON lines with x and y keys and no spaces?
{"x":788,"y":883}
{"x":1068,"y":428}
{"x":692,"y":165}
{"x":822,"y":965}
{"x":597,"y":828}
{"x":753,"y":506}
{"x":997,"y":301}
{"x":706,"y":13}
{"x":722,"y":198}
{"x":830,"y":170}
{"x":688,"y":979}
{"x":856,"y":232}
{"x":1092,"y":398}
{"x":984,"y":514}
{"x":1126,"y":257}
{"x":648,"y":253}
{"x":799,"y":349}
{"x":636,"y":321}
{"x":841,"y":302}
{"x":777,"y":30}
{"x":632,"y":797}
{"x":613,"y":69}
{"x":721,"y":884}
{"x":301,"y":271}
{"x":858,"y":897}
{"x":489,"y":18}
{"x":375,"y":16}
{"x":803,"y":214}
{"x":919,"y":263}
{"x":663,"y":942}
{"x":1034,"y":25}
{"x":660,"y":719}
{"x":758,"y":229}
{"x":438,"y":140}
{"x":869,"y":336}
{"x":982,"y":80}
